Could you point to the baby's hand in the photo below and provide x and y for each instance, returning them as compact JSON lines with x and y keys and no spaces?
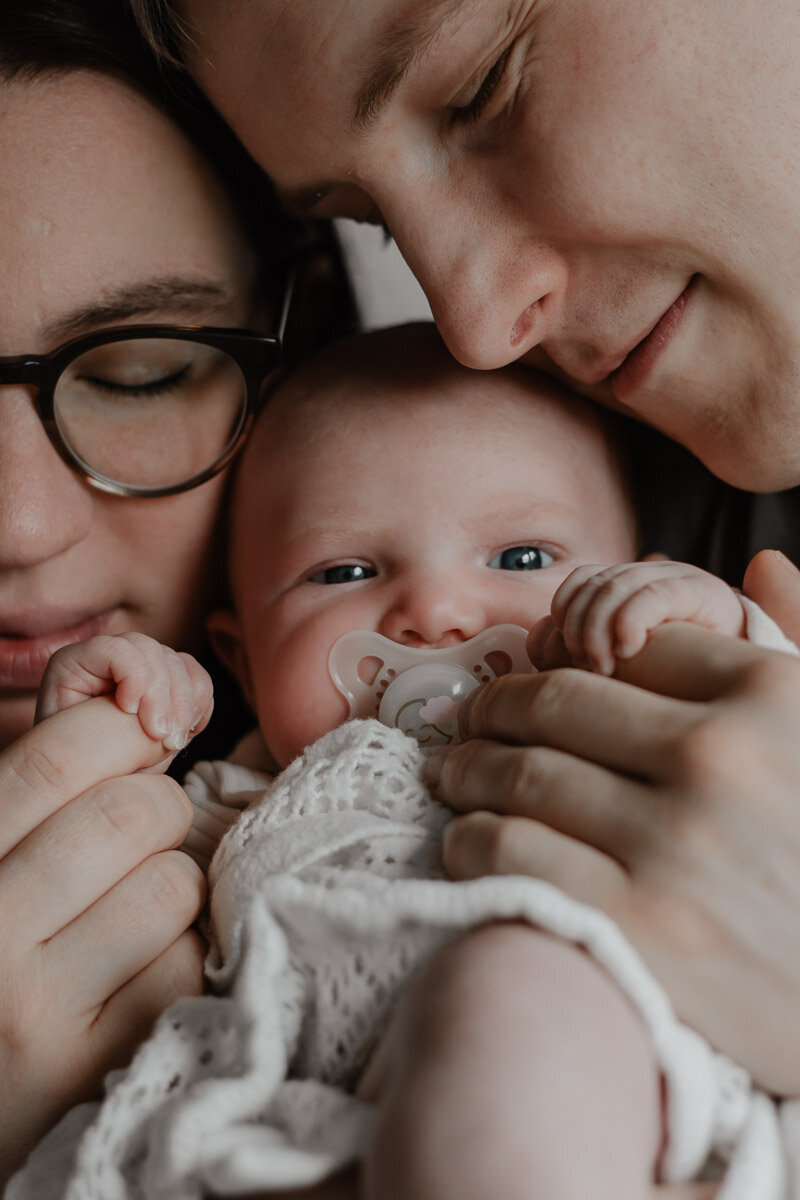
{"x":171,"y":693}
{"x":606,"y":613}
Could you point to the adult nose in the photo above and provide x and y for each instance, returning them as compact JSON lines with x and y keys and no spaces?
{"x":496,"y":288}
{"x":44,"y":507}
{"x":433,"y":611}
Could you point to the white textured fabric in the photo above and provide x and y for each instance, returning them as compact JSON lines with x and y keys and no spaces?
{"x":326,"y":894}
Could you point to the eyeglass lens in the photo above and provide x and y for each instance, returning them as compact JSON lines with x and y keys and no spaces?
{"x":150,"y":412}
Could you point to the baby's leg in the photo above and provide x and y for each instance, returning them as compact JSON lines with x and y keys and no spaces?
{"x":514,"y":1068}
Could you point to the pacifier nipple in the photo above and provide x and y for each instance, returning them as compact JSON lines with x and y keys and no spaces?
{"x":419,"y":691}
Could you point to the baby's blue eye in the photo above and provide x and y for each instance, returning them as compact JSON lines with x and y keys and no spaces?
{"x":521,"y":558}
{"x":343,"y":573}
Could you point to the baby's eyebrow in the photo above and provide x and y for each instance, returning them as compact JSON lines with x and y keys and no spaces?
{"x":395,"y":54}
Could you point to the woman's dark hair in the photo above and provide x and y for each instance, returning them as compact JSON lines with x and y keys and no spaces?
{"x":52,"y":37}
{"x":160,"y":26}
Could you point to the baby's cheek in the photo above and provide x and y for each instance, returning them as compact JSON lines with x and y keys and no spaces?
{"x":294,"y":715}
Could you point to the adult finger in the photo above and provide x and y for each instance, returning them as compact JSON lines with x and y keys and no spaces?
{"x":601,"y":720}
{"x":579,"y":799}
{"x":482,"y":843}
{"x":135,"y":922}
{"x":687,"y":662}
{"x":545,"y":646}
{"x":773,"y":582}
{"x":128,"y":1016}
{"x":84,"y":849}
{"x":63,"y":757}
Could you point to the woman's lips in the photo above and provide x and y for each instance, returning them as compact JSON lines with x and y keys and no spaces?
{"x":24,"y":656}
{"x":639,"y":362}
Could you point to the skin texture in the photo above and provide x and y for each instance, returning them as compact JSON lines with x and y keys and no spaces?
{"x":318,"y":465}
{"x":88,"y":870}
{"x":92,"y":159}
{"x":385,"y":454}
{"x":467,"y":487}
{"x":628,"y":151}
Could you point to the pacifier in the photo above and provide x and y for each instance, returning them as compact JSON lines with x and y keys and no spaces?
{"x":419,"y":691}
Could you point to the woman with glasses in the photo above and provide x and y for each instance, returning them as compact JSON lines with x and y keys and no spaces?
{"x":138,"y":325}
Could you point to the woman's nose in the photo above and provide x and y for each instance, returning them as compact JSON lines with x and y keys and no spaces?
{"x":432,"y":613}
{"x":495,"y":289}
{"x":44,"y":507}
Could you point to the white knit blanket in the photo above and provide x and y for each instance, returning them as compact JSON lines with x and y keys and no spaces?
{"x":326,"y":895}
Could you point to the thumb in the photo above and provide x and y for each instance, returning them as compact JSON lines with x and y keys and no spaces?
{"x":773,"y":582}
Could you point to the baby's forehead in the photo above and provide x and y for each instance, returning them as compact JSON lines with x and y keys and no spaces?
{"x":406,"y":377}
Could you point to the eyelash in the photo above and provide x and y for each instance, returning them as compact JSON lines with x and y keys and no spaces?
{"x":473,"y":111}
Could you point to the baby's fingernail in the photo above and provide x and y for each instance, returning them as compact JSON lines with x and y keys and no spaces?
{"x":196,"y":715}
{"x":160,"y":726}
{"x":177,"y":739}
{"x":434,"y":765}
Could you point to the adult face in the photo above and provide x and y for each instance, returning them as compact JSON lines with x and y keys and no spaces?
{"x":613,"y":181}
{"x":109,"y":217}
{"x":424,"y":509}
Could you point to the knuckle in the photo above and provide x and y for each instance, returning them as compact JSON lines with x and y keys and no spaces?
{"x":127,"y":811}
{"x":501,"y":846}
{"x":37,"y":768}
{"x":714,"y":755}
{"x":551,"y":694}
{"x":182,"y":965}
{"x":176,"y":886}
{"x":698,"y":750}
{"x":146,"y":811}
{"x":526,"y":774}
{"x":774,"y":675}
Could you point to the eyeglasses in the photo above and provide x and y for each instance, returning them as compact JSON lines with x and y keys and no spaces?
{"x":149,"y":410}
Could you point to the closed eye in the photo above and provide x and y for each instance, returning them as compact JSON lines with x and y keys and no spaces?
{"x":474,"y":110}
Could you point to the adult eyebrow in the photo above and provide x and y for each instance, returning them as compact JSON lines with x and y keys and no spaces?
{"x":393,"y":57}
{"x":402,"y":46}
{"x":150,"y":299}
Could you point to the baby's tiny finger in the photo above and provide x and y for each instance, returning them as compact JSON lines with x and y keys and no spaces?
{"x":203,"y":690}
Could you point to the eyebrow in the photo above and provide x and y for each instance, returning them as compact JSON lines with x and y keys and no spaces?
{"x":152,"y":298}
{"x":397,"y":51}
{"x":394,"y":56}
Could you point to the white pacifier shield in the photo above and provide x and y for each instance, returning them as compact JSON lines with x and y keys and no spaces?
{"x":419,"y":691}
{"x":423,"y":701}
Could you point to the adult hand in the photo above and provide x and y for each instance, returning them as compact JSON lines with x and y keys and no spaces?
{"x":772,"y":581}
{"x":95,"y":909}
{"x":675,"y":809}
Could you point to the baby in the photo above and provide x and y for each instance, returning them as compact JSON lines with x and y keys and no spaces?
{"x":457,"y":1036}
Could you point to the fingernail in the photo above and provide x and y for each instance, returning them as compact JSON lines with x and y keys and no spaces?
{"x":464,"y":710}
{"x":786,"y":562}
{"x":177,"y":739}
{"x":434,"y":764}
{"x":161,"y":727}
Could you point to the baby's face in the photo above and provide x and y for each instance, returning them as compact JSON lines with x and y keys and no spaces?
{"x":425,"y":518}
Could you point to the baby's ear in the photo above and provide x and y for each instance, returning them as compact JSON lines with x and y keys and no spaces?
{"x":225,"y":633}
